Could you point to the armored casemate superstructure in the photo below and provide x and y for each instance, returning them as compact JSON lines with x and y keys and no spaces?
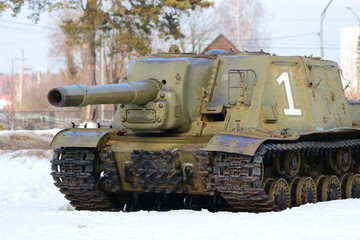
{"x":222,"y":131}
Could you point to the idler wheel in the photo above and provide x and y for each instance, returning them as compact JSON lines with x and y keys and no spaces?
{"x":279,"y":191}
{"x":318,"y":182}
{"x":343,"y":180}
{"x":343,"y":159}
{"x":331,"y":188}
{"x":353,"y":186}
{"x":305,"y":191}
{"x":292,"y":186}
{"x":266,"y":184}
{"x":331,"y":162}
{"x":292,"y":162}
{"x":279,"y":166}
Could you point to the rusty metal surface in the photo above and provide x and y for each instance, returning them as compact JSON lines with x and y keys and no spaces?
{"x":238,"y":178}
{"x":205,"y":162}
{"x":234,"y":144}
{"x":158,"y":171}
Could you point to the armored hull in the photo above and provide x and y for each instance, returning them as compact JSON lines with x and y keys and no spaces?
{"x":233,"y":131}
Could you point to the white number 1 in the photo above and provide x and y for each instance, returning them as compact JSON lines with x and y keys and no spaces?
{"x":284,"y":77}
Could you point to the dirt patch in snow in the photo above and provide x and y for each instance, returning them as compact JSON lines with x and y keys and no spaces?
{"x":17,"y":140}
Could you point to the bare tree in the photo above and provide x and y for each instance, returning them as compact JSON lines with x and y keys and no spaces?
{"x":197,"y":30}
{"x":242,"y":22}
{"x":63,"y":51}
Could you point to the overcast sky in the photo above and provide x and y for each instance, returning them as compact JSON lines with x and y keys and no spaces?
{"x":292,"y":29}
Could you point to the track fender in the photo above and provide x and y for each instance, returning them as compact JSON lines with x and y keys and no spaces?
{"x":91,"y":138}
{"x":234,"y":144}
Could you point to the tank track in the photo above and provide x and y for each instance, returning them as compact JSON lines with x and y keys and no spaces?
{"x":312,"y":147}
{"x":158,"y":171}
{"x":73,"y":172}
{"x":238,"y":178}
{"x":206,"y":170}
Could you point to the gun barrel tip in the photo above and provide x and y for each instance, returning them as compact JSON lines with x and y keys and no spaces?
{"x":55,"y":97}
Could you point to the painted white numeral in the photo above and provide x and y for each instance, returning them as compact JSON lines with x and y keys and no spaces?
{"x":284,"y":77}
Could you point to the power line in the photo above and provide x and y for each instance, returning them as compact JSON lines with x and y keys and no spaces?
{"x":17,"y":29}
{"x":288,"y":36}
{"x":310,"y":19}
{"x":21,"y":41}
{"x":305,"y":48}
{"x":28,"y":24}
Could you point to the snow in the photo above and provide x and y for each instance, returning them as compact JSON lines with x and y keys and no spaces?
{"x":31,"y":207}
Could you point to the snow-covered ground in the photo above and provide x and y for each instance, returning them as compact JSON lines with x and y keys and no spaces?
{"x":32,"y":208}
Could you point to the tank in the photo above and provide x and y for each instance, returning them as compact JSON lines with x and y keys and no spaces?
{"x":223,"y":131}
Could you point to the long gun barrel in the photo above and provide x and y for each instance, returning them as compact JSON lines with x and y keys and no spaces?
{"x":136,"y":92}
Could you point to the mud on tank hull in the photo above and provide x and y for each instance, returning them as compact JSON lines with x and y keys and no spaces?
{"x":117,"y":172}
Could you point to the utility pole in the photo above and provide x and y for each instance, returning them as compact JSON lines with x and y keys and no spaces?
{"x":21,"y":78}
{"x":38,"y":82}
{"x":358,"y":55}
{"x":12,"y":111}
{"x":323,"y":13}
